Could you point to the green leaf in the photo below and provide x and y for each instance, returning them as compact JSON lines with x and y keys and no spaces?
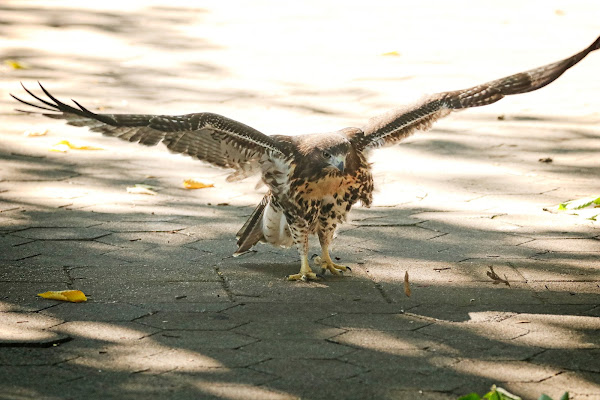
{"x":493,"y":395}
{"x":545,"y":397}
{"x":579,"y":203}
{"x":565,"y":396}
{"x":470,"y":396}
{"x":506,"y":395}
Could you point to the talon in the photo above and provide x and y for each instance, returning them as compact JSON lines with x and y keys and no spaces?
{"x":334,"y":268}
{"x":334,"y":271}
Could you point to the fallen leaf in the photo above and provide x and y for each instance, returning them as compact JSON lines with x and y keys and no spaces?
{"x":588,"y":202}
{"x":141,"y":189}
{"x":546,"y":160}
{"x":35,"y":132}
{"x":406,"y":285}
{"x":494,"y":276}
{"x":74,"y":296}
{"x":14,"y":64}
{"x":391,"y":53}
{"x":588,"y":207}
{"x":192,"y":184}
{"x":64,"y":145}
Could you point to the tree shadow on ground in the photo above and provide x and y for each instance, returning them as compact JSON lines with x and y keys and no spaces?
{"x":171,"y":313}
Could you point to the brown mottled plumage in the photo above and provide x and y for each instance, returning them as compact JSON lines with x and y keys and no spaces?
{"x":313,"y":180}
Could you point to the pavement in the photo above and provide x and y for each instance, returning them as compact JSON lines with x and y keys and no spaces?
{"x":170,"y":314}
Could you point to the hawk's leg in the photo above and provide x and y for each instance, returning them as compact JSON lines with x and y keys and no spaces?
{"x":325,"y":238}
{"x":301,"y":239}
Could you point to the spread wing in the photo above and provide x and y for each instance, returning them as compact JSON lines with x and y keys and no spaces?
{"x":400,"y":123}
{"x":209,"y":137}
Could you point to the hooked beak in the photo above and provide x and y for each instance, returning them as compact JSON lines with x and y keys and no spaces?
{"x":338,"y":162}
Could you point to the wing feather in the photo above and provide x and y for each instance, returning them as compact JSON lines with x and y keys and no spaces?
{"x":205,"y":136}
{"x":400,"y":123}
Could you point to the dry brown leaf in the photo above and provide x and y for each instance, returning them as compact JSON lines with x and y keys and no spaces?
{"x":73,"y":296}
{"x":406,"y":285}
{"x":192,"y":184}
{"x":64,"y":145}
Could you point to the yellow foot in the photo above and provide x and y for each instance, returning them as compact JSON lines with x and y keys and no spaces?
{"x":308,"y":276}
{"x":334,"y":268}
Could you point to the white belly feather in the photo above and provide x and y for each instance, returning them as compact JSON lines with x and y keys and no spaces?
{"x":275,"y":227}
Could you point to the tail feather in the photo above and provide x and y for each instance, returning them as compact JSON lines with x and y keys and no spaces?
{"x":252,"y":231}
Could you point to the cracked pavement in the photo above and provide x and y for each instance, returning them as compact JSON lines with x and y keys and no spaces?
{"x":171,"y":314}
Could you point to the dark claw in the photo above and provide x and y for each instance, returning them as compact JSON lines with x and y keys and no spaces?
{"x":349,"y":269}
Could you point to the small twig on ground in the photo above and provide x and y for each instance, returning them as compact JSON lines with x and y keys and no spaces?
{"x":406,"y":285}
{"x":494,"y":276}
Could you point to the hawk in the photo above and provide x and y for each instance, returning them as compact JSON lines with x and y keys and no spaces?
{"x":313,"y":180}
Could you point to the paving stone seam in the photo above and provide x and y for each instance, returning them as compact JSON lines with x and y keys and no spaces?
{"x":65,"y":240}
{"x":274,"y":377}
{"x":224,"y":284}
{"x":26,"y":257}
{"x":379,"y":287}
{"x":24,"y":243}
{"x":51,"y":364}
{"x":191,"y":329}
{"x":388,"y":225}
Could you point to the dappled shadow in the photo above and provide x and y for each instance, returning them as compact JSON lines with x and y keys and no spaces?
{"x":152,"y":26}
{"x":172,"y":314}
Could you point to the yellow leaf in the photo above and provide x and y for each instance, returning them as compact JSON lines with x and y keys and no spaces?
{"x":35,"y":132}
{"x":192,"y":184}
{"x":65,"y":145}
{"x":74,"y":296}
{"x":391,"y":53}
{"x":14,"y":64}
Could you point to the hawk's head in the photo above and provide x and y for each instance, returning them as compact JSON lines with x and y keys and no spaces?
{"x":326,"y":154}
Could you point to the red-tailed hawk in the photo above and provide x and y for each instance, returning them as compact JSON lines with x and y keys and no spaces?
{"x":313,"y":180}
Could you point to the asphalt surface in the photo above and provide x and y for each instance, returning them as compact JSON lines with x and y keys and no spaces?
{"x":170,"y":314}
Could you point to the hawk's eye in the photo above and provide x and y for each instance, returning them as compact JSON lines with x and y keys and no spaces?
{"x":326,"y":155}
